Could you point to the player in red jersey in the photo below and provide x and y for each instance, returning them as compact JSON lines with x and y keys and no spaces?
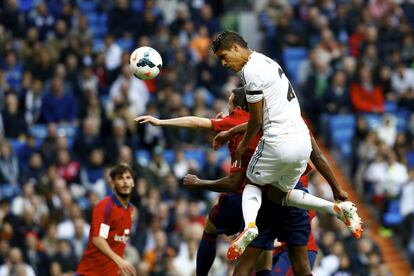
{"x":110,"y":229}
{"x":225,"y":217}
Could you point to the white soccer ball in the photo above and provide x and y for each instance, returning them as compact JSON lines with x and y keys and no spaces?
{"x":145,"y":63}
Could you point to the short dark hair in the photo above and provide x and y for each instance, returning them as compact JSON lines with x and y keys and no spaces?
{"x":120,"y":169}
{"x":226,"y":39}
{"x":240,"y":98}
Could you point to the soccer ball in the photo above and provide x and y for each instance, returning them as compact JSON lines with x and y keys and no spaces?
{"x":145,"y":63}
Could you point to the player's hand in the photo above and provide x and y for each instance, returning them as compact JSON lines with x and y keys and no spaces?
{"x":340,"y":195}
{"x":241,"y":149}
{"x":126,"y":268}
{"x":220,"y":139}
{"x":190,"y":180}
{"x":220,"y":115}
{"x":147,"y":119}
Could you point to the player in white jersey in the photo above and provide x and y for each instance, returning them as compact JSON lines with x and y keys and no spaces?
{"x":284,"y":150}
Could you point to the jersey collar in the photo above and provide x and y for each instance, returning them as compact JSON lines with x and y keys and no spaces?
{"x":118,"y":203}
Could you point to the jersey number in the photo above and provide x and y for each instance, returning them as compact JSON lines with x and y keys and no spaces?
{"x":290,"y":94}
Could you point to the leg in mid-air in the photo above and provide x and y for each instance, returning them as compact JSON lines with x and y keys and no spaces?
{"x":224,"y":218}
{"x":270,"y":162}
{"x":299,"y":260}
{"x":206,"y":252}
{"x":345,"y":211}
{"x":290,"y":225}
{"x":254,"y":259}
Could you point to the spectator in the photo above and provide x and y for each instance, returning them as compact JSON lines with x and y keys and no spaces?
{"x":15,"y":264}
{"x":185,"y":261}
{"x":12,"y":19}
{"x":207,"y":19}
{"x":156,"y":258}
{"x":181,"y":165}
{"x":14,"y":71}
{"x":36,"y":258}
{"x":122,"y":20}
{"x":65,"y":257}
{"x":158,"y":167}
{"x":15,"y":125}
{"x":118,"y":139}
{"x":402,"y":79}
{"x":387,"y":130}
{"x":67,"y":168}
{"x":365,"y":95}
{"x":112,"y":53}
{"x":58,"y":105}
{"x":66,"y":228}
{"x":80,"y":240}
{"x":9,"y":166}
{"x":83,"y":30}
{"x":87,"y":139}
{"x":24,"y":200}
{"x":171,"y":190}
{"x":50,"y":240}
{"x":129,"y":91}
{"x":93,"y":108}
{"x":4,"y":250}
{"x":328,"y":49}
{"x":396,"y":176}
{"x":88,"y":80}
{"x":211,"y":169}
{"x":33,"y":102}
{"x":92,"y":174}
{"x":42,"y":20}
{"x":336,"y":97}
{"x":57,"y":41}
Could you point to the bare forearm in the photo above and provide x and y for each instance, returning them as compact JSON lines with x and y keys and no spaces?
{"x":104,"y":247}
{"x":230,"y":183}
{"x":322,"y":165}
{"x":253,"y":128}
{"x":187,"y":122}
{"x":238,"y":129}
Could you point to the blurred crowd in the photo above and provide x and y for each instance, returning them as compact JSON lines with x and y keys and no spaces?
{"x":67,"y":100}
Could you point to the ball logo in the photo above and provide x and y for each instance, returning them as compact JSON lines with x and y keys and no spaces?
{"x":145,"y":61}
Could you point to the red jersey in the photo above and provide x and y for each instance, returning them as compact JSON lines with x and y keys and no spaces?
{"x":111,"y":221}
{"x":237,"y":117}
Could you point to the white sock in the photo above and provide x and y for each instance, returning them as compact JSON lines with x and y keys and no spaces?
{"x":251,"y":202}
{"x":303,"y":200}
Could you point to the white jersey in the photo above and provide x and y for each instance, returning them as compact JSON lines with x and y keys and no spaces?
{"x":265,"y":79}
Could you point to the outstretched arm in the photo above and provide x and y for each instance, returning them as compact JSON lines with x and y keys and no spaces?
{"x":229,"y":183}
{"x":187,"y":122}
{"x":224,"y":136}
{"x":322,"y":165}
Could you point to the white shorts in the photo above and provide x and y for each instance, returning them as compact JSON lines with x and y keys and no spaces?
{"x":282,"y":162}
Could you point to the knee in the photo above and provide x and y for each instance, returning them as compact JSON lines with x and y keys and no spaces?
{"x":210,"y":228}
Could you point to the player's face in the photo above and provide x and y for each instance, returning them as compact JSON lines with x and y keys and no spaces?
{"x":230,"y":104}
{"x":231,"y":58}
{"x":123,"y":184}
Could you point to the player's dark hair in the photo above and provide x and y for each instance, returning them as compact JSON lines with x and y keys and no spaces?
{"x":226,"y":39}
{"x":120,"y":169}
{"x":240,"y":98}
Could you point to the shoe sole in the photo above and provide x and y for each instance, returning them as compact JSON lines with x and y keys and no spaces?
{"x":238,"y":246}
